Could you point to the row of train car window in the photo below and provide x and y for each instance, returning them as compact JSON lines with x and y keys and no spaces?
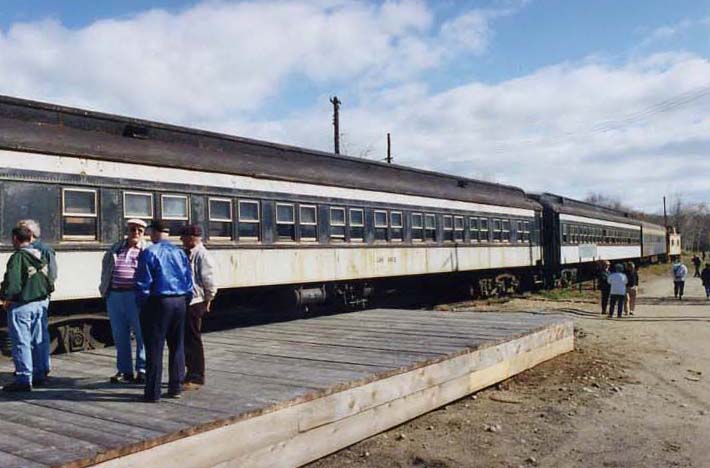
{"x":583,"y":234}
{"x":293,"y":220}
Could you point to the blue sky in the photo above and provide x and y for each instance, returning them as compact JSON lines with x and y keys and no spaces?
{"x":511,"y":91}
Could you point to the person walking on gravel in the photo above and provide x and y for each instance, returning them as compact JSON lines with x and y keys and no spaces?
{"x":696,"y":263}
{"x":680,"y":271}
{"x":705,"y":277}
{"x":617,"y":281}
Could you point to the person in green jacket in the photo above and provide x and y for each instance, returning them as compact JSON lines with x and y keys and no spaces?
{"x":24,"y":289}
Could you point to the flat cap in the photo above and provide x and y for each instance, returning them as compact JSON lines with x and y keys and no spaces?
{"x":137,"y":222}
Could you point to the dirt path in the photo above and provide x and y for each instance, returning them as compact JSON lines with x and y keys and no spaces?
{"x":634,"y":394}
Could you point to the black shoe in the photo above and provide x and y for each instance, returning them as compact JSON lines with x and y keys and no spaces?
{"x":140,"y":378}
{"x":174,"y":395}
{"x":151,"y":400}
{"x":121,"y":378}
{"x":17,"y":387}
{"x":39,"y":382}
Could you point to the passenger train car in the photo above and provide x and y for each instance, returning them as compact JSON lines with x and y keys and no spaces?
{"x":319,"y":226}
{"x":577,"y":234}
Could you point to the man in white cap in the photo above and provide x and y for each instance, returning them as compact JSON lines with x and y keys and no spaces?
{"x":119,"y":290}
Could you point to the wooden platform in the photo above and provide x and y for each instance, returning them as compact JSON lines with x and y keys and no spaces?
{"x":280,"y":394}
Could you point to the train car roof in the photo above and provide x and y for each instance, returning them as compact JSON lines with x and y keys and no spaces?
{"x":32,"y":126}
{"x":647,"y":224}
{"x":571,"y":206}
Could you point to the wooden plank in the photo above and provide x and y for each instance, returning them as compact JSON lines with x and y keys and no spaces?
{"x":326,"y":353}
{"x":9,"y":460}
{"x":100,"y":432}
{"x":296,"y":434}
{"x":366,"y":336}
{"x":18,"y":441}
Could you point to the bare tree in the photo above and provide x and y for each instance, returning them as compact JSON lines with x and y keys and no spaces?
{"x":607,"y":201}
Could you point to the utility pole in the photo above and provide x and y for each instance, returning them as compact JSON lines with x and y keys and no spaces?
{"x":389,"y":150}
{"x":336,"y":123}
{"x":665,"y":215}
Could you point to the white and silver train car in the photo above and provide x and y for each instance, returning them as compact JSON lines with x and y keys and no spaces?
{"x":578,"y":234}
{"x":274,"y":216}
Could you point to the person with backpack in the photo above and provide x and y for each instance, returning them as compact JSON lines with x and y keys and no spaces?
{"x":680,"y":271}
{"x":24,"y":289}
{"x":50,"y":258}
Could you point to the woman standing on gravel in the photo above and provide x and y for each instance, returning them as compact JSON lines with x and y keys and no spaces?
{"x":617,"y":281}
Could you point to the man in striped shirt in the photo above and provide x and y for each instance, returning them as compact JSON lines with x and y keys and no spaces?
{"x":119,"y":290}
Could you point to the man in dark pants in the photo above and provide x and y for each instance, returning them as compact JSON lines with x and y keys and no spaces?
{"x":696,"y":264}
{"x":203,"y":292}
{"x":164,"y":289}
{"x":603,"y":284}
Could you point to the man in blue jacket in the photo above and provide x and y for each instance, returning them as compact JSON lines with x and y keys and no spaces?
{"x":164,"y":289}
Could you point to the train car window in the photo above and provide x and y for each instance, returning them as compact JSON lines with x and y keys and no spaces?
{"x":138,"y":205}
{"x":417,"y":227}
{"x":506,"y":230}
{"x":430,"y":227}
{"x":285,"y":222}
{"x":380,"y":225}
{"x":337,"y":224}
{"x":458,"y":228}
{"x":175,"y":212}
{"x":220,"y":216}
{"x":526,"y":231}
{"x":497,"y":230}
{"x":357,"y":224}
{"x":396,"y":226}
{"x":448,"y":228}
{"x":483,"y":229}
{"x":565,"y":233}
{"x":307,"y":223}
{"x":79,"y":219}
{"x":473,"y":229}
{"x":249,"y":220}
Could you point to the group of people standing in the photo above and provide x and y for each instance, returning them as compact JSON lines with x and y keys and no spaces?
{"x":155,"y":291}
{"x":618,"y":288}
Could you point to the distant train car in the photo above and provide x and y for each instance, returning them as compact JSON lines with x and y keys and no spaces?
{"x":577,"y":234}
{"x":319,"y":226}
{"x":653,"y":248}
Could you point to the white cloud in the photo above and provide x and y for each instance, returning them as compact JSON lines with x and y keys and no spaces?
{"x":635,"y":132}
{"x":573,"y":128}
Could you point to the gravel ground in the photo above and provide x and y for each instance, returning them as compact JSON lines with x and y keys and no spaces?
{"x":632,"y":394}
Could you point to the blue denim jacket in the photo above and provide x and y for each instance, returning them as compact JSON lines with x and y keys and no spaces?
{"x":163,"y":270}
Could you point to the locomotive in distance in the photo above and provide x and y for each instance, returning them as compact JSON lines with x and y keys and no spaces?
{"x":283,"y":221}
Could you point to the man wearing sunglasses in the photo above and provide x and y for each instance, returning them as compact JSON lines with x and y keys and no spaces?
{"x":119,"y":290}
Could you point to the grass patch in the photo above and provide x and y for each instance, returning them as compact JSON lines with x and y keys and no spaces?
{"x":569,"y":294}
